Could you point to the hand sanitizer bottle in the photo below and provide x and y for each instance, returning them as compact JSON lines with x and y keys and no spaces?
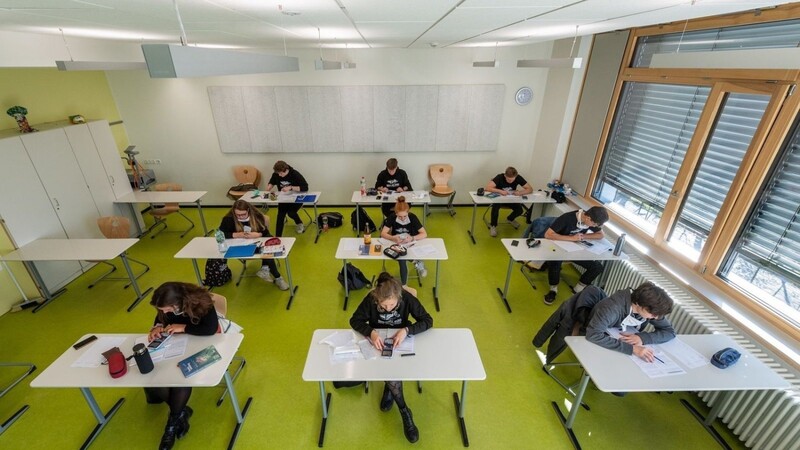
{"x":363,"y":186}
{"x":221,"y":245}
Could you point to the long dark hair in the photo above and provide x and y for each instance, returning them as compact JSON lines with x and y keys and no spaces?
{"x":193,"y":300}
{"x":258,"y":222}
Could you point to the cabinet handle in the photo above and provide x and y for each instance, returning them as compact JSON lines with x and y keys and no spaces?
{"x":112,"y":179}
{"x":58,"y":205}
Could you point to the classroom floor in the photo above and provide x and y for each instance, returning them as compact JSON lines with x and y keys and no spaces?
{"x":509,"y":410}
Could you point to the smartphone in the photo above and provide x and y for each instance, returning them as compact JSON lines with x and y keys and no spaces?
{"x":158,"y":342}
{"x":388,"y":344}
{"x":84,"y":342}
{"x":514,"y":243}
{"x":586,"y":243}
{"x":524,"y":197}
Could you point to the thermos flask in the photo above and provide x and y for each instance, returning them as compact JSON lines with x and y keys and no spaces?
{"x":142,"y":357}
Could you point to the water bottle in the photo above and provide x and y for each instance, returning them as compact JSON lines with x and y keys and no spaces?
{"x":620,"y":244}
{"x":220,"y":237}
{"x":363,"y":186}
{"x":324,"y":223}
{"x":143,"y":360}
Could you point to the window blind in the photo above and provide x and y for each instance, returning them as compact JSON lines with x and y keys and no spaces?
{"x":650,"y":134}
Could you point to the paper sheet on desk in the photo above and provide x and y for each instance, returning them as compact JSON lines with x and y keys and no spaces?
{"x":569,"y":246}
{"x":339,"y":339}
{"x":406,"y":346}
{"x":599,"y":247}
{"x":664,"y":368}
{"x":173,"y":348}
{"x":688,"y":356}
{"x":93,"y":357}
{"x":236,"y":242}
{"x":421,"y":251}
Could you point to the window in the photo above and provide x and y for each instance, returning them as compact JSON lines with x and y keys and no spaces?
{"x":765,"y":260}
{"x":650,"y":134}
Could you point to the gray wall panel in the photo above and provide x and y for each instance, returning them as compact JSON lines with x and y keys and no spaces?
{"x":358,"y":125}
{"x":227,"y":108}
{"x":452,"y":117}
{"x":262,"y":119}
{"x":294,"y":118}
{"x":485,"y":110}
{"x":390,"y":118}
{"x":326,"y":118}
{"x":422,"y":110}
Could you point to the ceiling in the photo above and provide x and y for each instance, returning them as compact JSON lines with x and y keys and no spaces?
{"x":268,"y":24}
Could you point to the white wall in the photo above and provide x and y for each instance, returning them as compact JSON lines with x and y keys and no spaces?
{"x":170,"y":120}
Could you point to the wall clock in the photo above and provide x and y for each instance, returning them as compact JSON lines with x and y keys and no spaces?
{"x":524,"y":96}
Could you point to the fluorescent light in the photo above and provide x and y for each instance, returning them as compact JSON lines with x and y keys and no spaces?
{"x":569,"y":63}
{"x":100,"y":65}
{"x":493,"y":63}
{"x":180,"y":61}
{"x":763,"y":58}
{"x":324,"y":64}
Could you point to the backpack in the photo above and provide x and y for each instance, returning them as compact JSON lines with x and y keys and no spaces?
{"x":243,"y":187}
{"x":355,"y":278}
{"x":364,"y":222}
{"x":217,"y":273}
{"x":335,"y":219}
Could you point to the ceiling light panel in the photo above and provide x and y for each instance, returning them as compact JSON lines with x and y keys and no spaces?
{"x":515,"y":3}
{"x":464,"y":23}
{"x":400,"y":11}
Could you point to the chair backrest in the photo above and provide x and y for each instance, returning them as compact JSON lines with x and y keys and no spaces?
{"x":168,"y":187}
{"x":247,"y":175}
{"x":440,"y":174}
{"x":115,"y":227}
{"x":220,"y":304}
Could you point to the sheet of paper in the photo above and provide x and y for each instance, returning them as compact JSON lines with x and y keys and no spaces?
{"x":240,"y":241}
{"x":93,"y":357}
{"x":407,"y":346}
{"x":367,"y":350}
{"x":418,"y":195}
{"x":599,"y":247}
{"x":351,"y":246}
{"x":339,"y":339}
{"x":421,"y":251}
{"x":688,"y":356}
{"x":569,"y":246}
{"x":663,"y":366}
{"x":173,"y":348}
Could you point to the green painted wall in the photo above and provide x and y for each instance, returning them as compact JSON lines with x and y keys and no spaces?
{"x":50,"y":96}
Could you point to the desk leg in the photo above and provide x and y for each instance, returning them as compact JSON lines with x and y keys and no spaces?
{"x":326,"y":404}
{"x":460,"y":412}
{"x":7,"y":424}
{"x":37,"y":278}
{"x":344,"y":277}
{"x":424,"y":214}
{"x":22,"y":410}
{"x":292,"y":287}
{"x":504,"y":292}
{"x":358,"y":223}
{"x":139,"y":294}
{"x":436,"y":287}
{"x":316,"y":223}
{"x":102,"y":419}
{"x":708,"y":422}
{"x":134,"y":219}
{"x":576,"y":405}
{"x":202,"y":218}
{"x":241,"y":414}
{"x":471,"y":231}
{"x":197,"y":272}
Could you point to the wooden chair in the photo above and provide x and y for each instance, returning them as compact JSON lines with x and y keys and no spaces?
{"x":160,"y":212}
{"x":244,"y":175}
{"x":440,"y":176}
{"x":116,"y":227}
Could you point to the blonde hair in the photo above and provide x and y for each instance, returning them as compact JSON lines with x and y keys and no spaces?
{"x":258,"y":222}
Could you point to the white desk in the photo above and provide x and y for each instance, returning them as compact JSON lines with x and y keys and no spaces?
{"x":75,"y":250}
{"x":348,"y":249}
{"x":160,"y":197}
{"x":441,"y":354}
{"x":547,"y":251}
{"x":206,"y":248}
{"x":287,"y":197}
{"x":60,"y":374}
{"x":535,"y":197}
{"x":423,"y":198}
{"x":605,"y":368}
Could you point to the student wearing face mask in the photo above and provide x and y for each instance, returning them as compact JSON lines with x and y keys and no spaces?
{"x":404,"y":228}
{"x":509,"y":182}
{"x":630,"y":311}
{"x":575,"y":226}
{"x":392,"y":179}
{"x":244,"y":221}
{"x":286,"y":179}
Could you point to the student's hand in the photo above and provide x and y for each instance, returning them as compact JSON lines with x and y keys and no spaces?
{"x":503,"y":192}
{"x":631,"y":338}
{"x":400,"y":189}
{"x":376,"y":340}
{"x":286,"y":189}
{"x":644,"y":353}
{"x":399,"y":337}
{"x":175,"y":328}
{"x":155,"y":332}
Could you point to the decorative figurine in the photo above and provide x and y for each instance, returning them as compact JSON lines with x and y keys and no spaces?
{"x":18,"y":113}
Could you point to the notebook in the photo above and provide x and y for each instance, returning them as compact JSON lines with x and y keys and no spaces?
{"x":199,"y":361}
{"x":306,"y":198}
{"x":241,"y":251}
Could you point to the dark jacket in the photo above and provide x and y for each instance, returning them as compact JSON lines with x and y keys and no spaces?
{"x":575,"y":311}
{"x":367,"y":317}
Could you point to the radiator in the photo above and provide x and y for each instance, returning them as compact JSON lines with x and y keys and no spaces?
{"x":768,"y":420}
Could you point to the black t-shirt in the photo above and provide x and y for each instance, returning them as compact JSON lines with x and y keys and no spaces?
{"x":501,"y":183}
{"x":412,"y":228}
{"x":293,"y":178}
{"x":392,"y":182}
{"x":567,"y":224}
{"x":228,"y":227}
{"x":367,"y":317}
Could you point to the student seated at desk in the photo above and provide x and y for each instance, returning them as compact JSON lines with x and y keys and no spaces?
{"x":182,"y":308}
{"x":403,"y":227}
{"x":392,"y":179}
{"x":508,"y":183}
{"x":286,"y":179}
{"x":388,"y":305}
{"x":576,"y":226}
{"x":630,"y":311}
{"x":245,"y":221}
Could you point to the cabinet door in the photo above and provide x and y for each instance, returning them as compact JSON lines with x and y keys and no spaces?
{"x":85,"y":151}
{"x":26,"y":209}
{"x":63,"y":180}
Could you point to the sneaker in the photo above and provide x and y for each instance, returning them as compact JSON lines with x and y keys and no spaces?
{"x":549,"y":298}
{"x":493,"y":231}
{"x":265,"y":275}
{"x":299,"y":228}
{"x":514,"y":224}
{"x":421,"y":270}
{"x":282,"y":284}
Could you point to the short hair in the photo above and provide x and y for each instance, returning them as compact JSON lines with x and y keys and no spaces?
{"x":511,"y":172}
{"x":391,"y":163}
{"x":653,"y":299}
{"x":598,"y":214}
{"x":386,"y":287}
{"x":280,"y":166}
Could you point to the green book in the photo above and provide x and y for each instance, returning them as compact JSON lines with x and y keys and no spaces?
{"x":199,"y":361}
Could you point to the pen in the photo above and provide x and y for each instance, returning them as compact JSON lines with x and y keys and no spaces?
{"x":408,"y":354}
{"x":661,"y":360}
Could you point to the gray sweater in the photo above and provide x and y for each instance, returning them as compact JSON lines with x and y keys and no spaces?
{"x":610,"y":312}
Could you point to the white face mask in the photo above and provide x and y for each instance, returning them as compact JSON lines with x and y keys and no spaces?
{"x":177,"y":311}
{"x":581,"y":225}
{"x":246,"y":219}
{"x":405,"y":221}
{"x":632,"y":320}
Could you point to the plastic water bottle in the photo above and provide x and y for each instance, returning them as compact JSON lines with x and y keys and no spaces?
{"x":324,"y":223}
{"x":220,"y":237}
{"x":620,"y":244}
{"x":363,"y":186}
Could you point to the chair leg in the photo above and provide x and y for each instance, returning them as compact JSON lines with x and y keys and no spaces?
{"x":109,"y":272}
{"x":235,"y":375}
{"x":189,"y":220}
{"x":159,"y":221}
{"x":16,"y":381}
{"x":450,"y":208}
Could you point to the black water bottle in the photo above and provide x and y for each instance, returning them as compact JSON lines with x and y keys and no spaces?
{"x":143,"y":360}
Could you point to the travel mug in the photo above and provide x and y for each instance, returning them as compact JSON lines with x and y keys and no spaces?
{"x":143,"y":360}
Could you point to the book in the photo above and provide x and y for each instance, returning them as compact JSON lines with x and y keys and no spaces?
{"x":363,"y":249}
{"x":306,"y":198}
{"x":241,"y":251}
{"x":199,"y":361}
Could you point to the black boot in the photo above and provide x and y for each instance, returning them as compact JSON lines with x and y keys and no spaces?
{"x":177,"y":427}
{"x":410,"y":430}
{"x":386,"y":400}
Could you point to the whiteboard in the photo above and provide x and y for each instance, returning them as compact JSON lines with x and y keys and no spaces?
{"x":325,"y":119}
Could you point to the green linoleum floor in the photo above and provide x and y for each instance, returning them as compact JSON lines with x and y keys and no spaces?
{"x":509,"y":410}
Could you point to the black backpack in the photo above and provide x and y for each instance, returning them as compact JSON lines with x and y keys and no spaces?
{"x":364,"y":222}
{"x":217,"y":273}
{"x":335,"y":219}
{"x":355,"y":278}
